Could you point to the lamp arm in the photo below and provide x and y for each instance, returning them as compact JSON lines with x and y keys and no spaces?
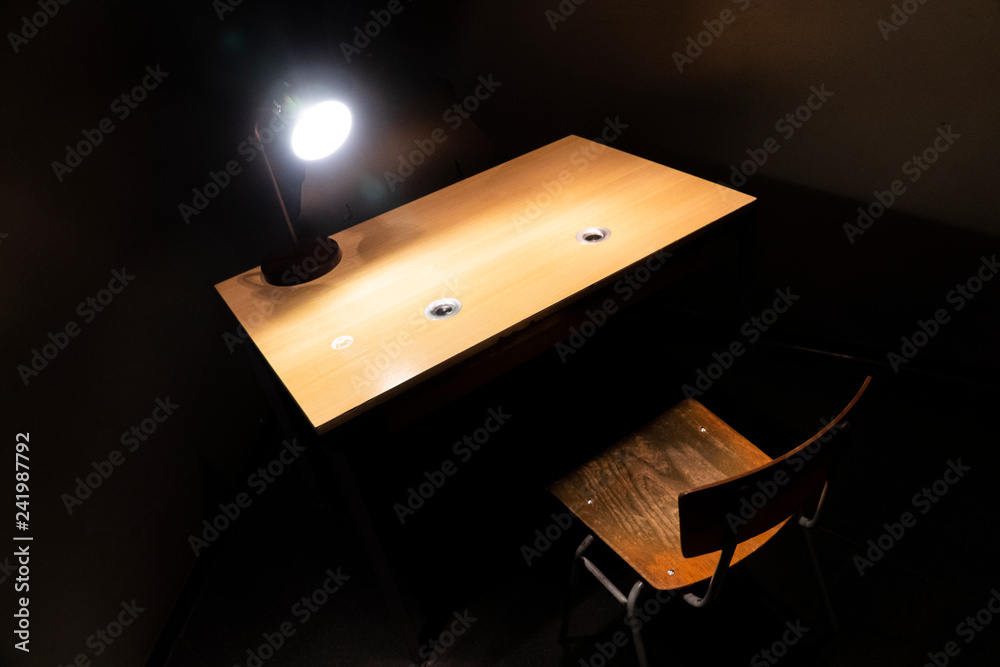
{"x":274,"y":182}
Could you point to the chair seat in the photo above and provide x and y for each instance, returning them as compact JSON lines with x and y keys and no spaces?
{"x":628,"y":494}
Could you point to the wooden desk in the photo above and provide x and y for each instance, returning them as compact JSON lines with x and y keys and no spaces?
{"x":503,"y":242}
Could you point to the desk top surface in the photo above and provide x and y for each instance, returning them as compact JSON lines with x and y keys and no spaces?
{"x":502,"y":242}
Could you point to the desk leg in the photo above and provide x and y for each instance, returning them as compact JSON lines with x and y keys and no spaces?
{"x":399,"y":616}
{"x":284,"y":420}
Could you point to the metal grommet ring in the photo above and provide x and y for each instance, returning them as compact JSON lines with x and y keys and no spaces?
{"x":442,"y":309}
{"x":592,"y":235}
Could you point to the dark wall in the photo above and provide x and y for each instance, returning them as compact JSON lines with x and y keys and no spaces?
{"x":721,"y":111}
{"x":163,"y":335}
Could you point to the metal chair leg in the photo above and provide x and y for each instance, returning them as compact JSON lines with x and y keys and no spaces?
{"x":571,"y":590}
{"x":819,"y":578}
{"x":629,"y":602}
{"x":633,"y":622}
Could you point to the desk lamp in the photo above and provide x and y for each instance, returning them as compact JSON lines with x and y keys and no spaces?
{"x":317,"y":131}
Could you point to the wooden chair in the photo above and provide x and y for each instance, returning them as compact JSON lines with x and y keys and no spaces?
{"x":685,"y":497}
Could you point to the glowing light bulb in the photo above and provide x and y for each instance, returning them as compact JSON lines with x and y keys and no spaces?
{"x":321,"y":130}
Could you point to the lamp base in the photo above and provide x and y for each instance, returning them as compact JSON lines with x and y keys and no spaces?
{"x":313,"y":258}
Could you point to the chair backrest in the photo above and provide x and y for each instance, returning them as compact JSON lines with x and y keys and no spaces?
{"x":744,"y":506}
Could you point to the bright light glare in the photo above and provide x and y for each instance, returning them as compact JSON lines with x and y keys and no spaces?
{"x":321,"y":130}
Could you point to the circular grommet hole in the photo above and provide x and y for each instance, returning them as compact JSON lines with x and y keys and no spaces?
{"x":592,"y":235}
{"x":442,"y":309}
{"x":341,"y":342}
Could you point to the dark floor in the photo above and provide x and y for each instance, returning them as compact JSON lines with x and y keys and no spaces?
{"x":909,"y":603}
